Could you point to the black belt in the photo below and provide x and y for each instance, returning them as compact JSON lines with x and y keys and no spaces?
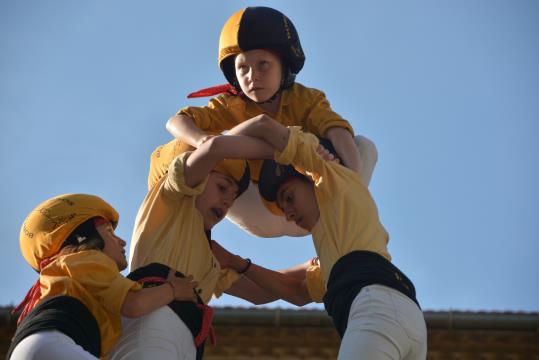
{"x":353,"y":272}
{"x":187,"y":311}
{"x":65,"y":314}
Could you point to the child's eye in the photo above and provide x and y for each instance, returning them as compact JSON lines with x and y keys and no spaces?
{"x":242,"y":69}
{"x":263,"y":65}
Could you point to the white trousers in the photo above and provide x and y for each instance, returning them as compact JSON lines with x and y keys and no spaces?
{"x":384,"y":324}
{"x":47,"y":345}
{"x":160,"y":335}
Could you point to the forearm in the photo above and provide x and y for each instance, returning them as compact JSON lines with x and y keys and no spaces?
{"x":265,"y":128}
{"x":203,"y":160}
{"x":286,"y":287}
{"x":344,"y":144}
{"x":276,"y":284}
{"x":240,"y":147}
{"x":247,"y":289}
{"x":183,"y":128}
{"x":142,"y":302}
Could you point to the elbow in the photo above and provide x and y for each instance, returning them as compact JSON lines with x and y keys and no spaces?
{"x":260,"y":301}
{"x":170,"y":123}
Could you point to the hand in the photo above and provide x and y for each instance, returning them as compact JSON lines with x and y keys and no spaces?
{"x":183,"y":287}
{"x":226,"y":259}
{"x":326,"y":155}
{"x":203,"y":139}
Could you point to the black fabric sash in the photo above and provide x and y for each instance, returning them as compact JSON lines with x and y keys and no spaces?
{"x":353,"y":272}
{"x":187,"y":311}
{"x":66,"y":315}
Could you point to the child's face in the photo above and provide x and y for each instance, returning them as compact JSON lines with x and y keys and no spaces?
{"x":218,"y":196}
{"x":259,"y":73}
{"x":114,"y":246}
{"x":297,"y":200}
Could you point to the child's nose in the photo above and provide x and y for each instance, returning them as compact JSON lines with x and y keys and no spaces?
{"x":253,"y":74}
{"x":289,"y":215}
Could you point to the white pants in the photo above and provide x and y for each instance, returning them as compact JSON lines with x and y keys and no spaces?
{"x":160,"y":335}
{"x":384,"y":324}
{"x":47,"y":345}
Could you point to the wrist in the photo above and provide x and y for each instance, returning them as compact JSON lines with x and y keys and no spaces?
{"x":172,"y":287}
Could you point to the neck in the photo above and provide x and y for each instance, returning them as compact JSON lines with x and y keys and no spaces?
{"x":271,"y":105}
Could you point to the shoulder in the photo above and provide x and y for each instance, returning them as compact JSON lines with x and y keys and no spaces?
{"x":227,"y":101}
{"x":88,"y":257}
{"x":300,"y":92}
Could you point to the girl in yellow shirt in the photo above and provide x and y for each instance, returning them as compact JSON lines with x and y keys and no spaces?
{"x":73,"y":310}
{"x":260,"y":55}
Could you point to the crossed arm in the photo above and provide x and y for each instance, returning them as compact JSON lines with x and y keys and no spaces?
{"x":184,"y":128}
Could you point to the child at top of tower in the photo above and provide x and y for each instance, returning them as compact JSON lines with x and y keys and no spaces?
{"x":260,"y":55}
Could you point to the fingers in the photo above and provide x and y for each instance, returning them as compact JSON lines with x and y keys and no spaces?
{"x":189,"y":281}
{"x":324,"y":153}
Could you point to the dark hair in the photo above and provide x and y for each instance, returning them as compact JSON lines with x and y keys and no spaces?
{"x":84,"y":237}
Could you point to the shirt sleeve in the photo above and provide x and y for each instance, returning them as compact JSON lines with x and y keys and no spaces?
{"x":217,"y":116}
{"x":322,"y":117}
{"x":175,"y":181}
{"x":100,"y":276}
{"x":315,"y":283}
{"x":226,"y":278}
{"x":301,"y":153}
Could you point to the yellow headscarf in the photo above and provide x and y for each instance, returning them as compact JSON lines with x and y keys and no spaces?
{"x":51,"y":222}
{"x":164,"y":154}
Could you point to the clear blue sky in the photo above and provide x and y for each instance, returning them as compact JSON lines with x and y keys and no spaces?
{"x":448,"y":90}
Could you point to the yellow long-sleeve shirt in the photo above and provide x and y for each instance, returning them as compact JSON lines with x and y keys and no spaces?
{"x":299,"y":106}
{"x":348,"y":215}
{"x":170,"y":230}
{"x":94,"y":279}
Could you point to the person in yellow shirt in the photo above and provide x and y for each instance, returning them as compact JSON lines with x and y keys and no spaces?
{"x":260,"y":54}
{"x":73,"y":310}
{"x":172,"y":231}
{"x":372,"y":303}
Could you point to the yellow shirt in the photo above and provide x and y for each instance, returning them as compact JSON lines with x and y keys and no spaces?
{"x":94,"y":279}
{"x":348,"y":215}
{"x":170,"y":230}
{"x":299,"y":106}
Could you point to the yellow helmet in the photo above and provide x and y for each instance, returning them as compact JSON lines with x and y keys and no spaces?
{"x":51,"y":222}
{"x":260,"y":28}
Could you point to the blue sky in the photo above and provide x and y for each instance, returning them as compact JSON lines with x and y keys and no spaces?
{"x":448,"y":91}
